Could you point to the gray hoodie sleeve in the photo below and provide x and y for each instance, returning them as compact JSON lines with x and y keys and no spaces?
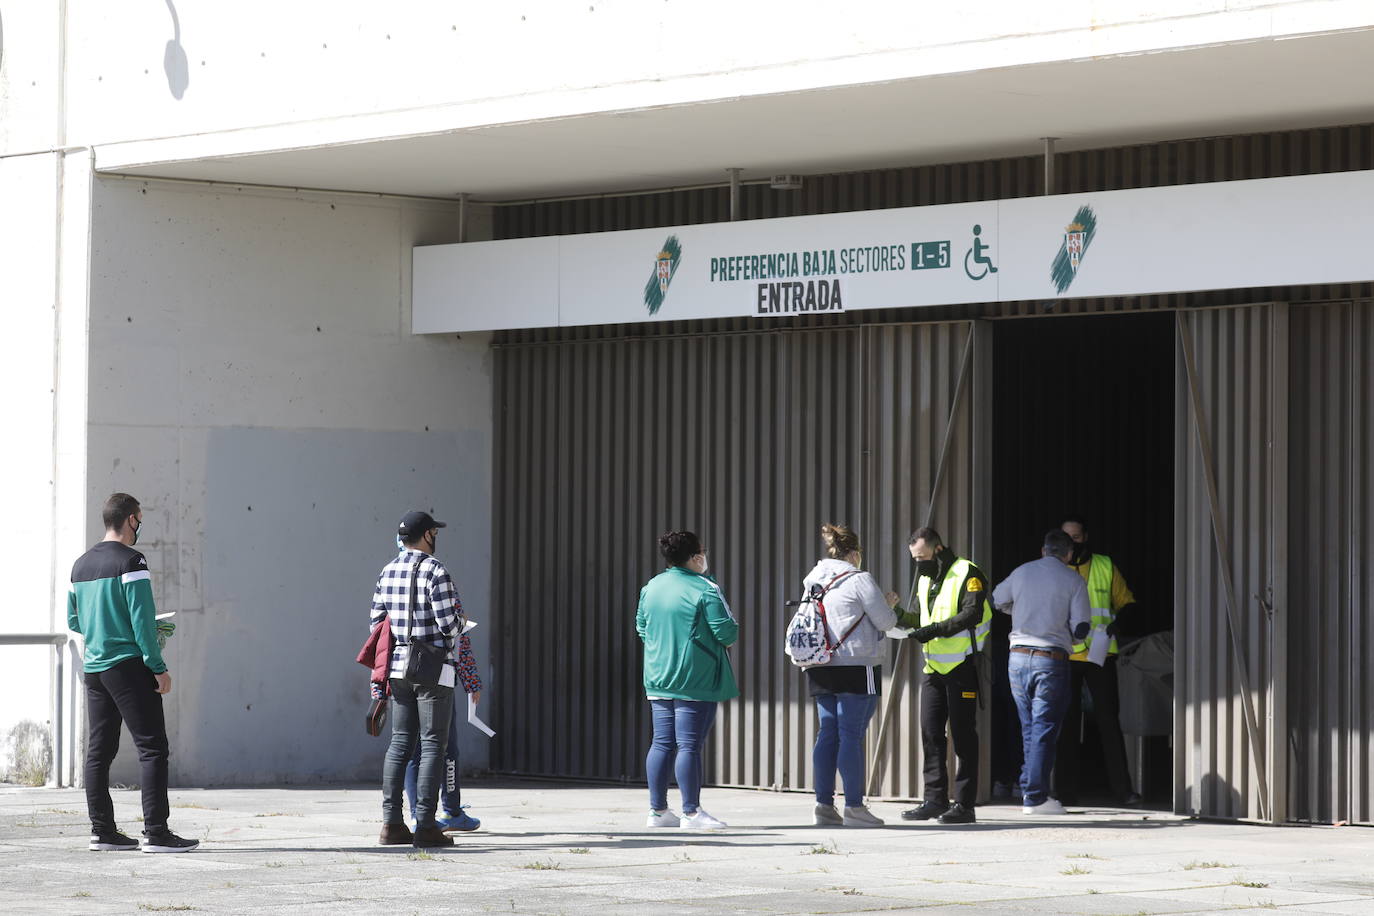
{"x":874,"y":603}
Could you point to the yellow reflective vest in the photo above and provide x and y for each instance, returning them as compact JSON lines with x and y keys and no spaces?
{"x":946,"y":652}
{"x":1100,"y":598}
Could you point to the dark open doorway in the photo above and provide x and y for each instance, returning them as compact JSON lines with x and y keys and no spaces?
{"x":1083,"y":425}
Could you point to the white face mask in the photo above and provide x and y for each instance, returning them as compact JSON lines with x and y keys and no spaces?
{"x":705,"y":564}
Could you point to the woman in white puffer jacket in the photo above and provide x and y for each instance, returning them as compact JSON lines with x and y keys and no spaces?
{"x":847,"y":687}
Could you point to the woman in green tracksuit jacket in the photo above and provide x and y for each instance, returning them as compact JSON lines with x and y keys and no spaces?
{"x":685,"y":625}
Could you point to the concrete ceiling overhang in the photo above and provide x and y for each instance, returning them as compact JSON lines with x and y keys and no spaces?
{"x":1292,"y":83}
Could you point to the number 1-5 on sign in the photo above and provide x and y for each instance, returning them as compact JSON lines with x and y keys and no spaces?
{"x":927,"y":255}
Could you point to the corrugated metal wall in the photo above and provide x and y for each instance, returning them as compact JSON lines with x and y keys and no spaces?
{"x":1331,"y":682}
{"x":544,"y":447}
{"x":1230,"y":594}
{"x":752,"y":440}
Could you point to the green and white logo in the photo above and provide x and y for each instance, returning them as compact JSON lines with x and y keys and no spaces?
{"x":665,"y":266}
{"x":1078,"y":235}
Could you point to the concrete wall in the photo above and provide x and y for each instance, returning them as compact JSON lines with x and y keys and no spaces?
{"x":44,"y":230}
{"x":189,"y":67}
{"x":254,"y":382}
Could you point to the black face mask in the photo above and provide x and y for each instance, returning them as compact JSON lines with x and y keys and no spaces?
{"x":1081,"y":552}
{"x":927,"y":568}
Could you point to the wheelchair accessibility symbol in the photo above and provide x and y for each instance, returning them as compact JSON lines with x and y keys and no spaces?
{"x":979,"y":255}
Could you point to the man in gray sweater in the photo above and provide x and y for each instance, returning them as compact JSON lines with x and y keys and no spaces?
{"x":1049,"y":609}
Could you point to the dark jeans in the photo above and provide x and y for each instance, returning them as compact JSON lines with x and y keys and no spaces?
{"x":1107,"y":714}
{"x":450,"y":792}
{"x":951,"y":698}
{"x":125,"y":695}
{"x":418,"y":714}
{"x":1040,"y":686}
{"x":840,"y":745}
{"x":680,"y":730}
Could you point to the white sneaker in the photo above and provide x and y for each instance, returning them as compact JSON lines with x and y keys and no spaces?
{"x":701,"y":821}
{"x":861,"y":817}
{"x":665,"y":818}
{"x":827,"y":816}
{"x":1048,"y":806}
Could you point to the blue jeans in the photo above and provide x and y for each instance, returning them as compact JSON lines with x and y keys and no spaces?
{"x":418,"y":714}
{"x":840,"y":745}
{"x":1040,"y":686}
{"x":680,"y":729}
{"x":450,"y":793}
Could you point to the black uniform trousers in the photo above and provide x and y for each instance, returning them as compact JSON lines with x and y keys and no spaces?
{"x":125,"y":695}
{"x":951,"y":698}
{"x":1107,"y":715}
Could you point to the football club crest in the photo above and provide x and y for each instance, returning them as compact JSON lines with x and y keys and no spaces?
{"x":1078,"y":235}
{"x":665,"y":266}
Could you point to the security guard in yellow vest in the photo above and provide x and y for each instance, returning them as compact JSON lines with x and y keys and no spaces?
{"x":955,"y":616}
{"x":1108,"y":595}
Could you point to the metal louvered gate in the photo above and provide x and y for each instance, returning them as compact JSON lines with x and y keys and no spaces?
{"x":753,"y":440}
{"x":1331,"y":678}
{"x":1231,"y":563}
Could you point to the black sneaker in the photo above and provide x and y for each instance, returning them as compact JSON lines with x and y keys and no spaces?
{"x":113,"y":841}
{"x":167,"y":841}
{"x":958,"y":815}
{"x":926,"y":811}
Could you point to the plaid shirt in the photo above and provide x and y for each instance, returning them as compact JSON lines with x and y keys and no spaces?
{"x":438,"y":615}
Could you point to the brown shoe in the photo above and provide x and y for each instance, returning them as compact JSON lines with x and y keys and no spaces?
{"x":429,"y":837}
{"x":395,"y":835}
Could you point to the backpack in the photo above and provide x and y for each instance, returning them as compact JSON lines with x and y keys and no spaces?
{"x":808,"y":633}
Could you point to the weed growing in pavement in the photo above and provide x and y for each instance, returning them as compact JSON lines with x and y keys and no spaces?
{"x":1093,"y":890}
{"x":81,"y":894}
{"x":550,"y":865}
{"x":823,"y":849}
{"x":1192,"y":865}
{"x":853,"y":892}
{"x":579,"y":850}
{"x":273,"y":814}
{"x":1085,"y":855}
{"x":273,"y":864}
{"x":1075,"y":870}
{"x":421,"y":856}
{"x":1240,"y":883}
{"x":166,"y":908}
{"x":60,"y":811}
{"x":195,"y":806}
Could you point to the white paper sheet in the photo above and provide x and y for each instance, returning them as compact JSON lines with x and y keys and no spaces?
{"x":1101,"y":642}
{"x":476,"y":722}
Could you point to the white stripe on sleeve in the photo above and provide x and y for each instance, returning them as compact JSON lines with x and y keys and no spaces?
{"x":136,"y":576}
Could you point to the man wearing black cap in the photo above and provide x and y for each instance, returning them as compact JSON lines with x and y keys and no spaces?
{"x":416,"y":593}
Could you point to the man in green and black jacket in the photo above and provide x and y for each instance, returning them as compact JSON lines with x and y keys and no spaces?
{"x":111,"y":605}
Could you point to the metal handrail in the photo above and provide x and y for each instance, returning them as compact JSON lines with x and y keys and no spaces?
{"x":60,"y":643}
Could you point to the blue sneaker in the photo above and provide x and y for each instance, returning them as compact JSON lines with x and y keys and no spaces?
{"x":460,"y":822}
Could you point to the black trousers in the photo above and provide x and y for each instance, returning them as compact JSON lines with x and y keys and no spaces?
{"x":125,"y":695}
{"x":1101,"y":684}
{"x":951,"y":699}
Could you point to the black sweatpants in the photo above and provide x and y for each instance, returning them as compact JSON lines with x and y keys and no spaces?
{"x":951,"y":698}
{"x":125,"y":695}
{"x":1107,"y":714}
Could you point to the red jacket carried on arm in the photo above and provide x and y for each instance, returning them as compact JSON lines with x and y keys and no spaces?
{"x":376,"y":654}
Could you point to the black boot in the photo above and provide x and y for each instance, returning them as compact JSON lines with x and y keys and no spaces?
{"x":927,"y":810}
{"x":958,"y":815}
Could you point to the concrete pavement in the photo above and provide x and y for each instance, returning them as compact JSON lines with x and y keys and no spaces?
{"x":552,"y":848}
